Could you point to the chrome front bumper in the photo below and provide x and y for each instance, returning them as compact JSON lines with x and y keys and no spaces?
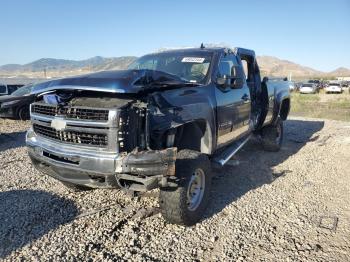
{"x":72,"y":164}
{"x":85,"y":166}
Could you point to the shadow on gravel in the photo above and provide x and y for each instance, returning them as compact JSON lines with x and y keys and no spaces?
{"x":26,"y":215}
{"x":12,"y":140}
{"x":255,"y":165}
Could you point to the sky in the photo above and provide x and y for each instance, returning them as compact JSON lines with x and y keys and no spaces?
{"x":314,"y":33}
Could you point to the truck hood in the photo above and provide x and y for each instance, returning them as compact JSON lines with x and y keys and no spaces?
{"x":121,"y":81}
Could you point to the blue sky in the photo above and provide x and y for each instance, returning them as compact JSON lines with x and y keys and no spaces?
{"x":312,"y":33}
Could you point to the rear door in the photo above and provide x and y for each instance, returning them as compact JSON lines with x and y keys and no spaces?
{"x":233,"y":105}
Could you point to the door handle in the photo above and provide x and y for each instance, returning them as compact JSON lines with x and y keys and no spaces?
{"x":245,"y":97}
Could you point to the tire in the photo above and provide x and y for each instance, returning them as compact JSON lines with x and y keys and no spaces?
{"x":76,"y":188}
{"x":272,"y":136}
{"x":192,"y":168}
{"x":23,"y":113}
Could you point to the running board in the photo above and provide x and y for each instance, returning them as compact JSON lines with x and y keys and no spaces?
{"x":231,"y":150}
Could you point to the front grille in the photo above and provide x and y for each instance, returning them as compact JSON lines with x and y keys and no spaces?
{"x":71,"y":136}
{"x":71,"y":112}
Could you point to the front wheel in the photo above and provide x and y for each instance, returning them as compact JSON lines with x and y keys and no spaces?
{"x":272,"y":136}
{"x":186,"y":204}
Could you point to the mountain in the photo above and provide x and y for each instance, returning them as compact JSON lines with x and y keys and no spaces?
{"x":51,"y":67}
{"x":62,"y":67}
{"x":274,"y":66}
{"x":341,"y":71}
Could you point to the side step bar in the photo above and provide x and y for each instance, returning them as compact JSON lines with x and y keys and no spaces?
{"x":231,"y":150}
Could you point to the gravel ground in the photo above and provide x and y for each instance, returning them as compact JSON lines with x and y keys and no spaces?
{"x":293,"y":205}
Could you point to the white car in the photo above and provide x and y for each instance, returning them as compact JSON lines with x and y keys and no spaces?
{"x":333,"y":88}
{"x":308,"y":88}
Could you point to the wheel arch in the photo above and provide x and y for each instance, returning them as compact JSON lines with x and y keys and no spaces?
{"x":194,"y":135}
{"x":284,"y":108}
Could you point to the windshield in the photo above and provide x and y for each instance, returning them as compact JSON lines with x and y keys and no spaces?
{"x":190,"y":66}
{"x":334,"y":84}
{"x":307,"y":85}
{"x":23,"y":91}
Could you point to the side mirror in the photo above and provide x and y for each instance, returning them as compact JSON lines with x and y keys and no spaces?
{"x":223,"y":81}
{"x":237,"y":83}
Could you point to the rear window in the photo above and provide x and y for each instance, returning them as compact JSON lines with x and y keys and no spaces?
{"x":334,"y":84}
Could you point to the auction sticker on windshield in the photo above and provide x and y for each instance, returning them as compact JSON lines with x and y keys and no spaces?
{"x":193,"y":60}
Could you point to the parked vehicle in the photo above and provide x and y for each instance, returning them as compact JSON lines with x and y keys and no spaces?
{"x":8,"y":89}
{"x":308,"y":88}
{"x":333,"y":88}
{"x":160,"y":124}
{"x":345,"y":86}
{"x":16,"y":105}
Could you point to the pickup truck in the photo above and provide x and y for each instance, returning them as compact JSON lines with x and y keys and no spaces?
{"x":162,"y":123}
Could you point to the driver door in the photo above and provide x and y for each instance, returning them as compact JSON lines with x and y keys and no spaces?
{"x":233,"y":105}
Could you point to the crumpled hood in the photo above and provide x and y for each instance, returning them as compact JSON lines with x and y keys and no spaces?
{"x":121,"y":81}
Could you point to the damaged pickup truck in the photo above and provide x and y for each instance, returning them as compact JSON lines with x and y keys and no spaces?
{"x":160,"y":124}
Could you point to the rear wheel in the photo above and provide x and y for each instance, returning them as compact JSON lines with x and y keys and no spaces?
{"x":186,"y":204}
{"x":272,"y":136}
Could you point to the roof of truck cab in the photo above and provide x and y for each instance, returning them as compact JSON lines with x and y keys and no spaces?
{"x":193,"y":49}
{"x":242,"y":51}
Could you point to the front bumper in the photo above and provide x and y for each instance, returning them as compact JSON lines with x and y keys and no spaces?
{"x":139,"y":171}
{"x":333,"y":90}
{"x":307,"y":91}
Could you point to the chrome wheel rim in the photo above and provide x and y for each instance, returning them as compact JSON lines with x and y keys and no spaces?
{"x":195,"y":191}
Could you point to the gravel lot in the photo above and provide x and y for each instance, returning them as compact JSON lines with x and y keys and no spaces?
{"x":288,"y":206}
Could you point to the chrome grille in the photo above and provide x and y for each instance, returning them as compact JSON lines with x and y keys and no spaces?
{"x":71,"y":112}
{"x":74,"y":137}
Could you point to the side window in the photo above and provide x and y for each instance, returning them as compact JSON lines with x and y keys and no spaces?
{"x":2,"y":89}
{"x":226,"y":68}
{"x":12,"y":89}
{"x":248,"y":67}
{"x":226,"y":64}
{"x":245,"y":69}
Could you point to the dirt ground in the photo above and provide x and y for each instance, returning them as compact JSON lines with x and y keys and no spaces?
{"x":293,"y":205}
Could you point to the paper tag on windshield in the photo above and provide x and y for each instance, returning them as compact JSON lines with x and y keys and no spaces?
{"x":193,"y":60}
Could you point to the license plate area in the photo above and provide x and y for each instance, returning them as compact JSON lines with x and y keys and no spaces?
{"x":67,"y":160}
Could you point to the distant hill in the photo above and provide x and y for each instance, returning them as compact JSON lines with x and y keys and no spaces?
{"x":62,"y":67}
{"x":274,"y":66}
{"x":269,"y":65}
{"x":341,"y":71}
